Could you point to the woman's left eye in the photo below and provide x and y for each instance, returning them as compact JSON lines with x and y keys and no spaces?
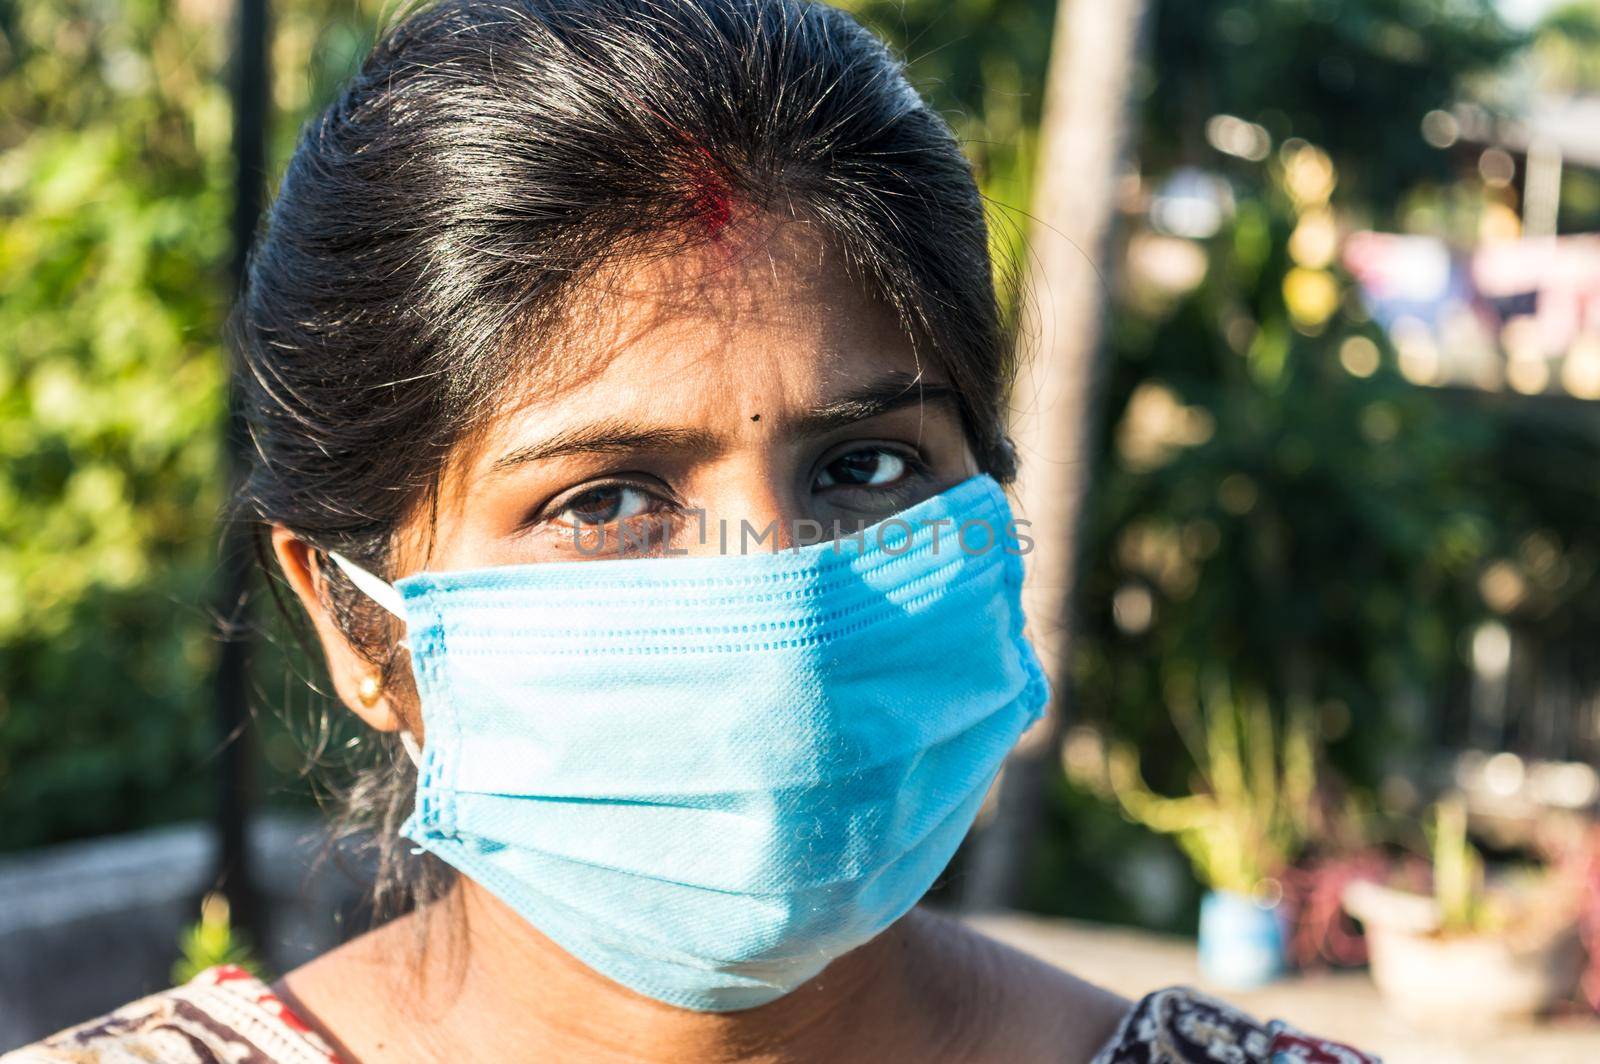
{"x":868,"y":468}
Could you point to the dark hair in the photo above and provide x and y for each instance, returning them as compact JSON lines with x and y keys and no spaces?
{"x":491,"y":154}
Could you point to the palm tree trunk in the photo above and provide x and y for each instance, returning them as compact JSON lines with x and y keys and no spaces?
{"x":1084,"y":136}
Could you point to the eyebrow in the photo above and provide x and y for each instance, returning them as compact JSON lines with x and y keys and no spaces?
{"x":893,"y":392}
{"x":608,"y":437}
{"x":884,"y":396}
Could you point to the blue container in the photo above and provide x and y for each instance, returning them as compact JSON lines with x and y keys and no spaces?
{"x":1241,"y":941}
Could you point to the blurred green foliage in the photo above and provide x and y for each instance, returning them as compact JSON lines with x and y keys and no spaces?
{"x":113,"y":201}
{"x":1321,"y":534}
{"x":1353,"y":76}
{"x":1253,"y":814}
{"x":115,"y":186}
{"x":1322,"y":541}
{"x":1566,"y":48}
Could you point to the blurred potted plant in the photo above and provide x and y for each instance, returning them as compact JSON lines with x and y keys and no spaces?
{"x":211,"y":941}
{"x":1247,"y":820}
{"x":1475,"y":953}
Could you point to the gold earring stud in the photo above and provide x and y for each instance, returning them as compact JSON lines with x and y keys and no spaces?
{"x":369,"y":691}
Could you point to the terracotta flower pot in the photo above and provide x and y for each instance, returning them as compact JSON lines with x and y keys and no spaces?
{"x":1462,"y":981}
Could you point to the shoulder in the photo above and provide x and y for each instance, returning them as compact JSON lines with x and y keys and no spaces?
{"x":223,"y":1016}
{"x":1034,"y":1009}
{"x":1182,"y":1026}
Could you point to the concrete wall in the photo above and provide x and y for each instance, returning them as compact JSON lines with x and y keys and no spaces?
{"x":88,"y":926}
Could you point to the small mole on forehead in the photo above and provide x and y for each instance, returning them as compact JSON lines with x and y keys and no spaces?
{"x":755,"y":417}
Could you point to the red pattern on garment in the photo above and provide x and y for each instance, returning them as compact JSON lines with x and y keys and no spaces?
{"x":269,"y":1002}
{"x":224,"y":1015}
{"x":227,"y":1016}
{"x":1178,"y":1025}
{"x":1292,"y":1047}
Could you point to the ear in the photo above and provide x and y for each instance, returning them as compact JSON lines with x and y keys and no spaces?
{"x":348,"y":669}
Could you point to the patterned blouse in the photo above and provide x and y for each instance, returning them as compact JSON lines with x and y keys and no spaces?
{"x":227,"y":1016}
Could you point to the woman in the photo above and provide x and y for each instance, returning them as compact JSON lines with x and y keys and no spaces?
{"x":626,"y":386}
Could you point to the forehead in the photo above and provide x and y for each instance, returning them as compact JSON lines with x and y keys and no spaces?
{"x":760,"y":283}
{"x":767,"y":315}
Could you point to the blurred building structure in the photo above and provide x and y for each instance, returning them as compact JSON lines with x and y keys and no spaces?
{"x":1517,"y":311}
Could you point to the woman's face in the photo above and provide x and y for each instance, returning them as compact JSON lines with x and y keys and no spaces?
{"x":748,"y":382}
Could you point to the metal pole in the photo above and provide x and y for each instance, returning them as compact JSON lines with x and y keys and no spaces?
{"x":236,"y":767}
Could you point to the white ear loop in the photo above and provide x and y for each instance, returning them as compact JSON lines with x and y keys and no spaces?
{"x":384,"y":594}
{"x":380,"y":591}
{"x":413,"y":751}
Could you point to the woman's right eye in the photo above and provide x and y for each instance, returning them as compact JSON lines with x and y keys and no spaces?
{"x":604,"y":505}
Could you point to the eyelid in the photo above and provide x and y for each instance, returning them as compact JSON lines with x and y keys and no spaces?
{"x":549,"y":511}
{"x":916,"y":462}
{"x":840,"y":450}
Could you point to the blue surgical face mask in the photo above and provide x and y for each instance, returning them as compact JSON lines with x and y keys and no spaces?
{"x":708,"y":777}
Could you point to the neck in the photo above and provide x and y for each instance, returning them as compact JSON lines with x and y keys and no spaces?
{"x":509,"y":989}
